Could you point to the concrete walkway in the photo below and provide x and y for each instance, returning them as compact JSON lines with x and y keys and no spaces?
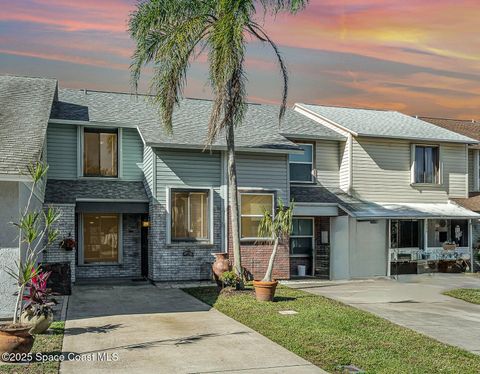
{"x":145,"y":329}
{"x":415,"y":302}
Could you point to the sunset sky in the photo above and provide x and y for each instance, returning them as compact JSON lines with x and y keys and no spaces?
{"x":418,"y":57}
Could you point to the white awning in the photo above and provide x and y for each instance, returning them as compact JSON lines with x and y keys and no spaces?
{"x":374,"y":210}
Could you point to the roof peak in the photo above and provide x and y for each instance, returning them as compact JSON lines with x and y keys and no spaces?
{"x":86,"y":91}
{"x":349,"y":107}
{"x":26,"y":77}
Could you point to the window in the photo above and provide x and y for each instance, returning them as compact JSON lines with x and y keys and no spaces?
{"x":406,"y":234}
{"x":445,"y":230}
{"x":301,"y":166}
{"x":252,"y":208}
{"x":100,"y":156}
{"x":301,"y":239}
{"x":190,"y":215}
{"x":427,"y":164}
{"x":101,"y":238}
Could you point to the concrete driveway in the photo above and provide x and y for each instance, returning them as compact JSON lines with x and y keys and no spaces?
{"x":415,"y":301}
{"x":145,"y":329}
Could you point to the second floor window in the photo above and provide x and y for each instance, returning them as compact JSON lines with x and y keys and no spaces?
{"x":301,"y":165}
{"x":427,"y":164}
{"x":100,"y":155}
{"x":190,"y":215}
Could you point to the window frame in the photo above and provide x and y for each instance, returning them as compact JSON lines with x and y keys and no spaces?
{"x":168,"y":217}
{"x":311,"y":163}
{"x":81,"y":150}
{"x":438,"y":177}
{"x":241,"y":193}
{"x":303,"y":236}
{"x":209,"y":222}
{"x":81,"y":254}
{"x":420,"y":233}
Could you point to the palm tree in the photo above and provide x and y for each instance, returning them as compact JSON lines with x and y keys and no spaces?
{"x":170,"y":34}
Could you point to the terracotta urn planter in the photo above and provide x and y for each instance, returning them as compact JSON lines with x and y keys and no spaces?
{"x":39,"y":323}
{"x":15,"y":338}
{"x":221,"y":264}
{"x":265,"y":291}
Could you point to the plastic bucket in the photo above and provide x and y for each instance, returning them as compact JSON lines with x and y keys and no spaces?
{"x":301,"y":270}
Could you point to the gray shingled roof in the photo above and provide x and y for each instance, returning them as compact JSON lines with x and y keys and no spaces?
{"x":373,"y":210}
{"x":68,"y":191}
{"x":385,"y":124}
{"x":25,"y":105}
{"x":259,"y":130}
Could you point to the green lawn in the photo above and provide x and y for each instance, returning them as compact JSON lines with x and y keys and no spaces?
{"x":49,"y":343}
{"x":472,"y":295}
{"x":328,"y":334}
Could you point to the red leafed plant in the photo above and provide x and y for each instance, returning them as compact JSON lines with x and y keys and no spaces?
{"x":37,"y":299}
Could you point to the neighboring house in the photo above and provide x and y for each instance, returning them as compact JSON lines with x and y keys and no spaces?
{"x":370,"y":187}
{"x":471,"y":129}
{"x":394,"y":179}
{"x":24,"y":112}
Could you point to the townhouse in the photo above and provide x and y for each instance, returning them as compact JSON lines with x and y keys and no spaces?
{"x":372,"y":189}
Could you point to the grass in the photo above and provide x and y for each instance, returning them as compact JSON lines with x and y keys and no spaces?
{"x":329,"y":334}
{"x":472,"y":295}
{"x":49,"y":343}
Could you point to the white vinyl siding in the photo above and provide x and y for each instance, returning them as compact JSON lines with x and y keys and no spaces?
{"x":382,"y":172}
{"x":327,"y":162}
{"x":344,"y":172}
{"x":263,"y":171}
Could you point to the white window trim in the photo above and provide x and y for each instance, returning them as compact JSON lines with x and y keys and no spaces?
{"x":80,"y":150}
{"x":305,"y":236}
{"x":311,"y":163}
{"x":413,"y":163}
{"x":476,"y":170}
{"x":253,"y":215}
{"x":81,"y":259}
{"x":168,"y":205}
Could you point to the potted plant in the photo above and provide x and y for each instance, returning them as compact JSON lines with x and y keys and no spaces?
{"x":230,"y":279}
{"x":448,"y":246}
{"x":278,"y":228}
{"x":68,"y":243}
{"x":38,"y":310}
{"x":35,"y":233}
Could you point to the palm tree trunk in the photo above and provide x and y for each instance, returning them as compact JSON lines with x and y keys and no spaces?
{"x":18,"y":304}
{"x":268,"y":274}
{"x":233,"y":201}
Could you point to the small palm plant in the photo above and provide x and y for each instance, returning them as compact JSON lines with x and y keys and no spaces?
{"x":278,"y":227}
{"x":36,"y":233}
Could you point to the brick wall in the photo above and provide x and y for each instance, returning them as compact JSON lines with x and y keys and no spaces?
{"x":255,"y":257}
{"x":65,"y":225}
{"x":183,"y":260}
{"x":295,"y":261}
{"x":131,"y":261}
